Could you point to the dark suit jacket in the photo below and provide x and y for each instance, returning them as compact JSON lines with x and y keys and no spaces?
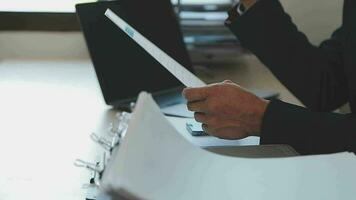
{"x":323,"y":78}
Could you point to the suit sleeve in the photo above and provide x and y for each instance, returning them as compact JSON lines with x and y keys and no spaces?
{"x":308,"y":132}
{"x":313,"y":74}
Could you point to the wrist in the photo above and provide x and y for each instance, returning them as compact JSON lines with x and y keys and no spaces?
{"x":259,"y":114}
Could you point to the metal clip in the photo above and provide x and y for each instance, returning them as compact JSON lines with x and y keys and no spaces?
{"x":96,"y":173}
{"x":123,"y":119}
{"x":87,"y":165}
{"x":132,"y":106}
{"x":106,"y":144}
{"x":119,"y":126}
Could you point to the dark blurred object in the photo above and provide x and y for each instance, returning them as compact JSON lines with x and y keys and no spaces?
{"x":123,"y":68}
{"x":204,"y":31}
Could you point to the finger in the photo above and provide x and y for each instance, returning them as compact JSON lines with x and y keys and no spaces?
{"x":197,"y":106}
{"x":196,"y":94}
{"x":208,"y":119}
{"x":230,"y":133}
{"x":227,"y":81}
{"x":201,"y":117}
{"x":207,"y":129}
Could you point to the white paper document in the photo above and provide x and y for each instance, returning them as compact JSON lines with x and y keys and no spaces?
{"x":179,"y":110}
{"x":180,"y":72}
{"x":155,"y":162}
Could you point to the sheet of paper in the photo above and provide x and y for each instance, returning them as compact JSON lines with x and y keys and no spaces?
{"x":180,"y":72}
{"x":179,"y":110}
{"x":155,"y":162}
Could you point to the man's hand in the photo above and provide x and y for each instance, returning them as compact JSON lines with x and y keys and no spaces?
{"x":226,"y":110}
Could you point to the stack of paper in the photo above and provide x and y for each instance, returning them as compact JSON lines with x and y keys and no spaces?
{"x":155,"y":162}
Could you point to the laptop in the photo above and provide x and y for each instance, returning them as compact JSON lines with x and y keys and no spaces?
{"x":122,"y":67}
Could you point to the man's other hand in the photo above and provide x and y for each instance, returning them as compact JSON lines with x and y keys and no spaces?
{"x":226,"y":110}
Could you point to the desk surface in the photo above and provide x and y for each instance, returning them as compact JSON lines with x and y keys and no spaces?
{"x":47,"y":111}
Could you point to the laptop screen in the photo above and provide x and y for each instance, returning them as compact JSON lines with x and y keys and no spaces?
{"x":123,"y":68}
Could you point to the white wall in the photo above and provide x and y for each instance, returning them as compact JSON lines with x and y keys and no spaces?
{"x":317,"y":18}
{"x":42,"y":45}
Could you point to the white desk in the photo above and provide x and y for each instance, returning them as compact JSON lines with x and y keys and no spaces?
{"x":47,"y":111}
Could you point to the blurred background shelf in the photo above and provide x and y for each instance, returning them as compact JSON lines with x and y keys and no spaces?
{"x":205,"y":34}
